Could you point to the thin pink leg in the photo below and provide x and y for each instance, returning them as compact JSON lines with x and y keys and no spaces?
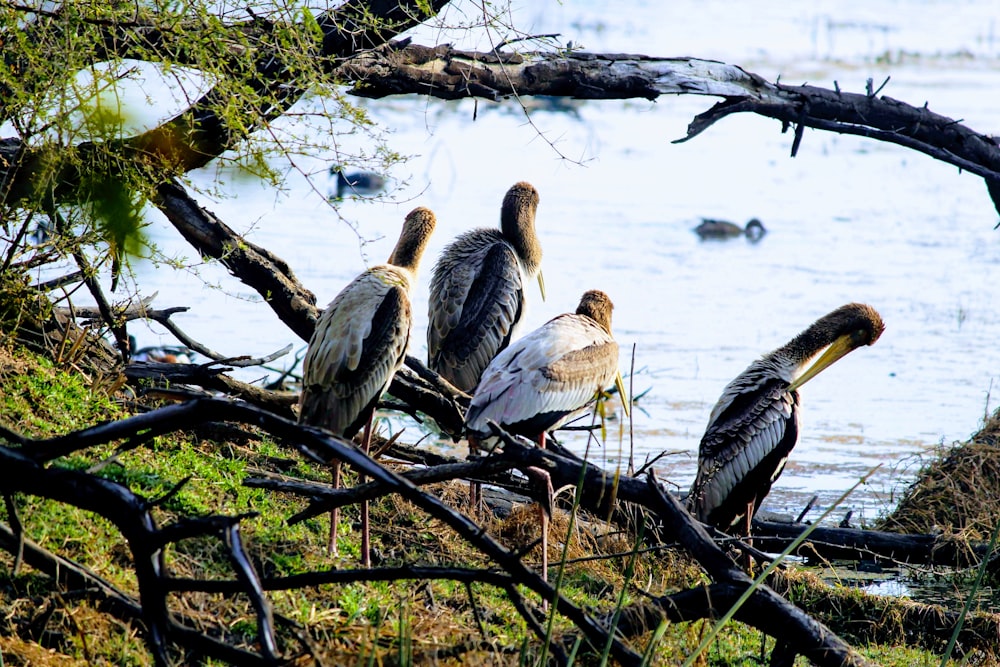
{"x":544,"y":520}
{"x":545,"y":517}
{"x":747,"y":559}
{"x":335,"y":512}
{"x":366,"y":555}
{"x":475,"y":490}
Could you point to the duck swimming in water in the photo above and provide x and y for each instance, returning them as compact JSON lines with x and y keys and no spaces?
{"x":358,"y":183}
{"x":723,"y":229}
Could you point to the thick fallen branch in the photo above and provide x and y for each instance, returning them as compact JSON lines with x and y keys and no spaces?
{"x":71,"y":576}
{"x":764,"y":609}
{"x":130,"y":515}
{"x":142,"y":374}
{"x":404,"y":68}
{"x":856,"y":544}
{"x":325,"y":497}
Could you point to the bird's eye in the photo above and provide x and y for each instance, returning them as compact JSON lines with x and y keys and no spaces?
{"x":861,"y":337}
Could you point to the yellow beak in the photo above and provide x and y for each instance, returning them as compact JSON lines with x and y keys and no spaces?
{"x":541,"y":284}
{"x":839,"y":348}
{"x":621,"y":392}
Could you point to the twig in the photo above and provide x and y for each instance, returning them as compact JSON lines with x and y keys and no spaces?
{"x":805,"y":510}
{"x":247,"y":576}
{"x":328,"y":498}
{"x":15,"y":522}
{"x":56,"y":283}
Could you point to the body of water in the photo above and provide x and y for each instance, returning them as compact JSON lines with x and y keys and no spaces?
{"x":849,"y":219}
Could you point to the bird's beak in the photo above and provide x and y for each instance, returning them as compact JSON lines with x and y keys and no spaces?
{"x":839,"y":348}
{"x":621,"y":392}
{"x":541,"y":284}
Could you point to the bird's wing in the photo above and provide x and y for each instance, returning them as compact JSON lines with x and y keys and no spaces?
{"x":553,"y":371}
{"x":743,"y":451}
{"x":476,"y":300}
{"x":359,"y":343}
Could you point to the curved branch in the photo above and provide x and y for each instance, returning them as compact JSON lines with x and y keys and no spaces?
{"x":253,"y":265}
{"x":402,"y":68}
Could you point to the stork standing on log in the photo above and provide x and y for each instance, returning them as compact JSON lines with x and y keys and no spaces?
{"x":547,"y":377}
{"x":477,"y":294}
{"x":755,"y":424}
{"x":359,"y":343}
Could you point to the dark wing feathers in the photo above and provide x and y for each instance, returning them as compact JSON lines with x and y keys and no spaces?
{"x":336,"y":396}
{"x":743,"y":451}
{"x":482,"y":294}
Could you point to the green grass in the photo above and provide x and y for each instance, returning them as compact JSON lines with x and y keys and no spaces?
{"x":397,"y":623}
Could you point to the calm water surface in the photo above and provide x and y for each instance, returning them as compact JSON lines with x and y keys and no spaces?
{"x":848,"y":220}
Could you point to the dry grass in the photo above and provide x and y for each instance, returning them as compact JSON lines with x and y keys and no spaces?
{"x":957,"y":493}
{"x":864,"y":619}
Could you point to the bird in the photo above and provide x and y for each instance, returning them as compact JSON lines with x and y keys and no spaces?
{"x":477,"y":290}
{"x":359,"y":343}
{"x":546,"y":378}
{"x":723,"y":229}
{"x":358,"y":182}
{"x":755,"y":423}
{"x":167,"y":354}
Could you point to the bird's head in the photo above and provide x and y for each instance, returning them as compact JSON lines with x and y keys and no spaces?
{"x":832,"y":337}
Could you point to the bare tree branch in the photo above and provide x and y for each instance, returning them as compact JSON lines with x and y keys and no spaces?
{"x":403,"y":68}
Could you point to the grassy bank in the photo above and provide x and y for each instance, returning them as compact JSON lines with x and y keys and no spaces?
{"x":437,"y":622}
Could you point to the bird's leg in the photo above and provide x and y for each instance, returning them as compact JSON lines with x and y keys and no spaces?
{"x":543,"y":517}
{"x":335,"y":512}
{"x":544,"y":508}
{"x":475,"y":488}
{"x":366,"y":556}
{"x":747,"y":560}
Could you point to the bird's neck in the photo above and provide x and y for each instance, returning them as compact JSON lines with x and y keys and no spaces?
{"x":518,"y":228}
{"x":808,"y":345}
{"x":407,"y":253}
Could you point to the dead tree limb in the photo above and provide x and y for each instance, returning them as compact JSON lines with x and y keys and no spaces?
{"x":130,"y":514}
{"x":856,"y":544}
{"x":352,"y":576}
{"x":210,"y":376}
{"x":404,"y":68}
{"x":253,"y":265}
{"x":141,"y":310}
{"x":326,"y":498}
{"x":765,"y":609}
